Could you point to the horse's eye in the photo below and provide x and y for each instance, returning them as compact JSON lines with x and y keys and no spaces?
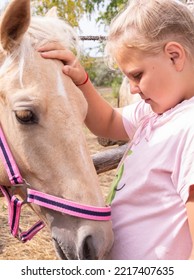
{"x":26,"y":117}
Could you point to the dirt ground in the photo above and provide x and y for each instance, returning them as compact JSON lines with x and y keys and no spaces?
{"x":40,"y":247}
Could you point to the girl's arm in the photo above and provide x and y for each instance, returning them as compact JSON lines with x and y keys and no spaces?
{"x":190,"y":214}
{"x":102,"y":119}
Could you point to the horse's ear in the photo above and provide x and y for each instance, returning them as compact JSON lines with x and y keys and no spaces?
{"x":52,"y":12}
{"x":14,"y":23}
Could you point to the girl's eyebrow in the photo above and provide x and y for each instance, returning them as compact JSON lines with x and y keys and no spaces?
{"x":133,"y":71}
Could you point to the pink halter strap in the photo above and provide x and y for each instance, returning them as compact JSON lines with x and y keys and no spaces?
{"x":14,"y":204}
{"x":41,"y":199}
{"x":69,"y":207}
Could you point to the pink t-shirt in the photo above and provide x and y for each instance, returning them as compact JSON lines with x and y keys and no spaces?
{"x":148,"y":211}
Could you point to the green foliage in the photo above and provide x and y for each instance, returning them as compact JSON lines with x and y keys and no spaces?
{"x":100,"y":74}
{"x":116,"y":84}
{"x":111,"y":10}
{"x":73,"y":10}
{"x":69,"y":10}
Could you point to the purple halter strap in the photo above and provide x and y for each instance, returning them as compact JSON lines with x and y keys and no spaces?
{"x":39,"y":198}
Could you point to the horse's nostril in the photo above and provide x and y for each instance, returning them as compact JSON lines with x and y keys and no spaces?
{"x":87,"y":251}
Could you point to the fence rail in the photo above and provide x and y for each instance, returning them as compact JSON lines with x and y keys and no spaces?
{"x":93,"y":38}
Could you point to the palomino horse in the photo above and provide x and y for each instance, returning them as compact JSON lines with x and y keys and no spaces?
{"x":41,"y":116}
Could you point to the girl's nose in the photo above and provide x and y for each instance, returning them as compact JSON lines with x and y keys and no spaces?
{"x":134,"y":88}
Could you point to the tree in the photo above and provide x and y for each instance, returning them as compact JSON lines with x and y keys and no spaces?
{"x":112,"y":7}
{"x":73,"y":10}
{"x":69,"y":10}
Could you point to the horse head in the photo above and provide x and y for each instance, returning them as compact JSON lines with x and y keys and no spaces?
{"x":42,"y":114}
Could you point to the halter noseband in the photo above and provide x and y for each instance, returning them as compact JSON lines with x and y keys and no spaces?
{"x":39,"y":198}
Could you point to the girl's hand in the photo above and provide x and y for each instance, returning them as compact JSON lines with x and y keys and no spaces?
{"x":72,"y":66}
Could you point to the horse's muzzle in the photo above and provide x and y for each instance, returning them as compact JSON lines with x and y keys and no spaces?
{"x":86,"y":251}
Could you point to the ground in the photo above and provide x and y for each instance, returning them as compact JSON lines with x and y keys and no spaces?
{"x":40,"y":247}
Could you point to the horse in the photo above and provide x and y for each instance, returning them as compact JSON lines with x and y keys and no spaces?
{"x":45,"y":160}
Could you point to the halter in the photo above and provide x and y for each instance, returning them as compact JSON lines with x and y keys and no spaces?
{"x":39,"y":198}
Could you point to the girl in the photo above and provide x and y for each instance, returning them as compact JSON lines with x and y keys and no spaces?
{"x":151,"y":41}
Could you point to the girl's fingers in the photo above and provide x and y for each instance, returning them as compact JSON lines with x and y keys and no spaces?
{"x":64,"y":55}
{"x":72,"y":67}
{"x":56,"y":51}
{"x":50,"y":46}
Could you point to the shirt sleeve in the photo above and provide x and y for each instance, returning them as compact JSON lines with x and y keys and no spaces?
{"x":183,"y":173}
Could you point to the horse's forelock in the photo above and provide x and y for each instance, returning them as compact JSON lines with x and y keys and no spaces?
{"x":53,"y":29}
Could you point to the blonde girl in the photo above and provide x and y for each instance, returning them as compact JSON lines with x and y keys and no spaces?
{"x":152,"y":42}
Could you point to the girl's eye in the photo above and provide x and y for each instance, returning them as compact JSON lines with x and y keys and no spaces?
{"x":26,"y":117}
{"x":137,"y":76}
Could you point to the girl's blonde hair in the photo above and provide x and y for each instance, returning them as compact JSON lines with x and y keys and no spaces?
{"x":148,"y":25}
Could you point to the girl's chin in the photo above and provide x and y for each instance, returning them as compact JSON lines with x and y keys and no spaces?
{"x":155,"y":108}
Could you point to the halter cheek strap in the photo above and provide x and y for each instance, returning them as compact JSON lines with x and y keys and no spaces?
{"x":39,"y":198}
{"x":9,"y":162}
{"x":14,"y":204}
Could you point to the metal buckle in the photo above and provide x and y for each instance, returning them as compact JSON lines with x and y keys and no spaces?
{"x":22,"y":187}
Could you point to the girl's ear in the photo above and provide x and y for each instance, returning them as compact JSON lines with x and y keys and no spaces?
{"x":177,"y":55}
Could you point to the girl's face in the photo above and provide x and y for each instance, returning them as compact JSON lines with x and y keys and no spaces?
{"x":154,"y":77}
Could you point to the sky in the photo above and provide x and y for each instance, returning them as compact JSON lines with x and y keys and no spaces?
{"x":87,"y":27}
{"x":90,"y":27}
{"x":2,"y":3}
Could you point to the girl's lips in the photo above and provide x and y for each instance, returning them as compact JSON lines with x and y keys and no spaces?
{"x":147,"y":100}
